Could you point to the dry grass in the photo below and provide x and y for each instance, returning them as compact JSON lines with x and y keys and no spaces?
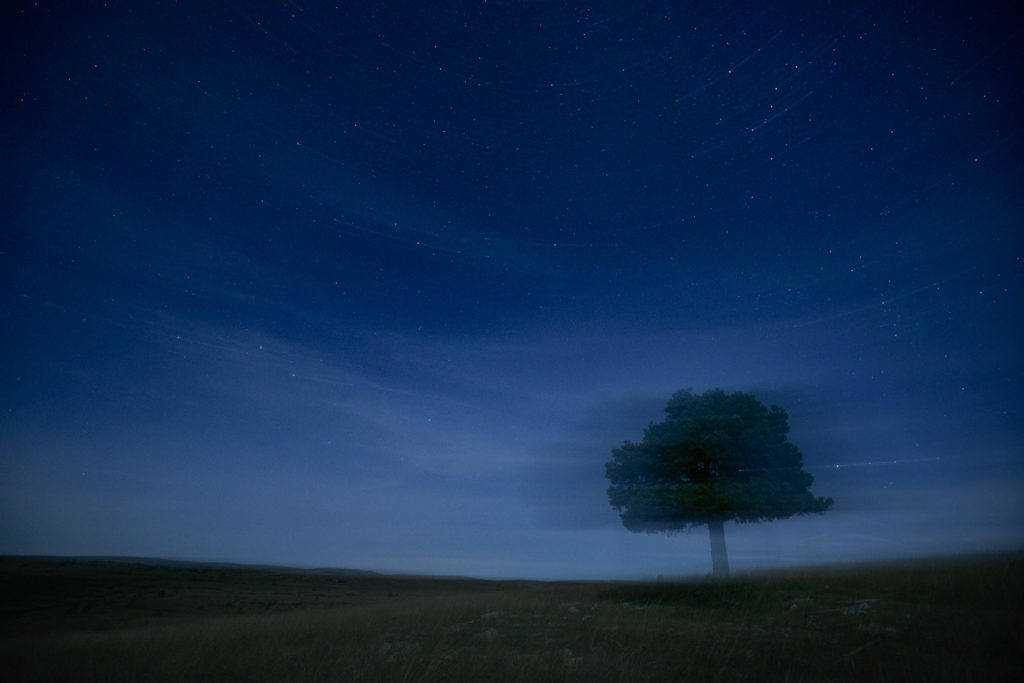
{"x":937,"y":621}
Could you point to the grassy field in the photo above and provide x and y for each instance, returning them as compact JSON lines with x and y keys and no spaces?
{"x":941,"y":620}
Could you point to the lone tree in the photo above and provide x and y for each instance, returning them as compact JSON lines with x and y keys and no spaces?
{"x":716,"y":457}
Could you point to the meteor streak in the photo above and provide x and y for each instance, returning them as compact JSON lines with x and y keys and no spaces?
{"x":871,"y":463}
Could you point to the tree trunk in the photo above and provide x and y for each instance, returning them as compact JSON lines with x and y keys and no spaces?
{"x":719,"y":557}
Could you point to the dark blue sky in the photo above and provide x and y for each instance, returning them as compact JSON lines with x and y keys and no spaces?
{"x":382,"y":284}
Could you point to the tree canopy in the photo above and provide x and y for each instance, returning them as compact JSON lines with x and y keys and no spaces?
{"x":716,"y":457}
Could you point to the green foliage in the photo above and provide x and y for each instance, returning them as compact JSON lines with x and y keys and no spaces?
{"x":716,"y":456}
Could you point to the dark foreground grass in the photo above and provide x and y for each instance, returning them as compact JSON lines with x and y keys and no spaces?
{"x":948,"y":620}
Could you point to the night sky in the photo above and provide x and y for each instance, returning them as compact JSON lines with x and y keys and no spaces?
{"x":381,"y":284}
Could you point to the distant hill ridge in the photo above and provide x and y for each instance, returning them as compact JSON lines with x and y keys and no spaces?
{"x":187,"y":564}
